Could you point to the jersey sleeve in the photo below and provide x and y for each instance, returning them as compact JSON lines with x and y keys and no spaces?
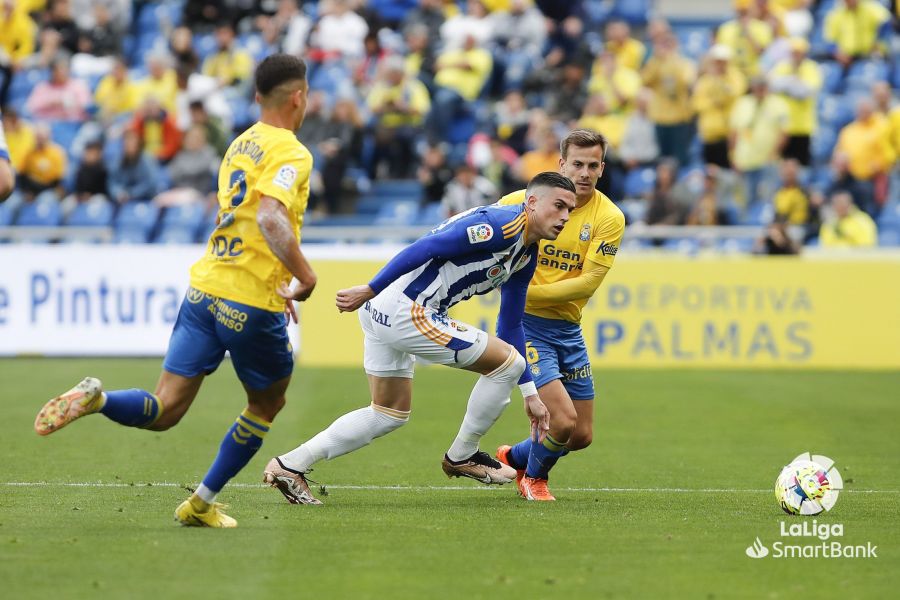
{"x":512,"y":307}
{"x":283,"y":176}
{"x":473,"y":232}
{"x":606,"y":240}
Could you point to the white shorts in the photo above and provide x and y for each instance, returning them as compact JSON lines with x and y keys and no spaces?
{"x":397,"y":330}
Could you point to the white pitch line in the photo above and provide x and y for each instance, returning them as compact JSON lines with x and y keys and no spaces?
{"x":414,"y":488}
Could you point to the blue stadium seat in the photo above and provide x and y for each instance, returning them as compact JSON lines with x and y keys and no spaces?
{"x":398,"y":189}
{"x":832,"y":76}
{"x":835,"y":110}
{"x":40,"y":213}
{"x":392,"y":10}
{"x":94,"y":213}
{"x":397,"y":212}
{"x":63,"y":133}
{"x":23,"y":83}
{"x":340,"y":221}
{"x":430,"y":214}
{"x":369,"y":204}
{"x":889,"y":236}
{"x":694,"y":41}
{"x":598,"y":11}
{"x":633,"y":12}
{"x":760,"y":213}
{"x":822,"y":144}
{"x":204,"y":44}
{"x":175,"y":234}
{"x":639,"y":182}
{"x":864,"y":74}
{"x":7,"y":213}
{"x":189,"y":217}
{"x":136,"y":217}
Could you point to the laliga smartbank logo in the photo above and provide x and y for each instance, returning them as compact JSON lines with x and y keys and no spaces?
{"x":807,"y":486}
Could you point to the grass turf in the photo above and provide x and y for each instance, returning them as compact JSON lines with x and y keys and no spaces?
{"x":615,"y":532}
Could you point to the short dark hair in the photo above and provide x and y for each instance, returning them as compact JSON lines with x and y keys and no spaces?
{"x":550,"y":179}
{"x":583,"y":138}
{"x":278,"y":69}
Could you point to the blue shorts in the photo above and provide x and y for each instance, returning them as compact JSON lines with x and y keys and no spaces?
{"x":207,"y":326}
{"x":555,"y":349}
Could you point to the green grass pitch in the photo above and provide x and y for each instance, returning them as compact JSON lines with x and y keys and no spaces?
{"x":676,"y":486}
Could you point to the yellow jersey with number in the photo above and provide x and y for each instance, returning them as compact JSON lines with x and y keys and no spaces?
{"x":593,"y":233}
{"x":238,"y":264}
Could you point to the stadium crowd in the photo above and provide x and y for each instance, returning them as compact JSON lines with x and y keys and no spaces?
{"x":784,"y":114}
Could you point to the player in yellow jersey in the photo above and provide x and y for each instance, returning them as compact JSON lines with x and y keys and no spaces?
{"x":569,"y":271}
{"x":239,"y":299}
{"x":7,"y":174}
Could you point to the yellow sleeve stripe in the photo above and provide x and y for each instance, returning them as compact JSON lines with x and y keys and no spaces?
{"x":514,"y":232}
{"x":520,"y":219}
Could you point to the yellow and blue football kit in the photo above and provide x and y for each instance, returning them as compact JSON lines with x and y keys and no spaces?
{"x":232,"y":303}
{"x":556,"y":348}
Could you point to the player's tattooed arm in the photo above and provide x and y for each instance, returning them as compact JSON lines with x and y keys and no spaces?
{"x":275,"y":226}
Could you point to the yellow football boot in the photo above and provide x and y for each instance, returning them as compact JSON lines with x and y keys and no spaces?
{"x":83,"y":399}
{"x":189,"y":516}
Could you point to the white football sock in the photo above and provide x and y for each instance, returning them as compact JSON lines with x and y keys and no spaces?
{"x":348,"y":433}
{"x":488,"y":399}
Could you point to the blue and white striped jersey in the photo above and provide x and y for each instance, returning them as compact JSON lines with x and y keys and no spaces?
{"x":469,"y":254}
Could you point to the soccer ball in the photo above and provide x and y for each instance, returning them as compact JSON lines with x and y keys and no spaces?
{"x":801,"y":487}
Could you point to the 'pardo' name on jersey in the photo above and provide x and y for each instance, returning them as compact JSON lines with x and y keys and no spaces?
{"x":248,"y":148}
{"x":560,"y":259}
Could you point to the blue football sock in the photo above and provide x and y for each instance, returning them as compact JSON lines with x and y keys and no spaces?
{"x":543,"y":456}
{"x":241,"y":442}
{"x":133,"y":408}
{"x":518,"y":456}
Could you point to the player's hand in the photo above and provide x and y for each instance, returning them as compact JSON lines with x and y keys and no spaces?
{"x":352,"y":298}
{"x":539,"y":417}
{"x":298,"y":294}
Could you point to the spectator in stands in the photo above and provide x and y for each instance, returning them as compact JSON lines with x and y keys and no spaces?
{"x":597,"y":116}
{"x":116,"y":94}
{"x":474,"y":23}
{"x":398,"y":104}
{"x":498,"y":167}
{"x":617,"y":83}
{"x":870,"y":155}
{"x":420,"y":58}
{"x":434,"y":174}
{"x":62,"y":98}
{"x":512,"y":117}
{"x":777,"y":240}
{"x":213,"y":130}
{"x":847,"y":227}
{"x":638,"y":147}
{"x":103,"y":38}
{"x":798,"y":82}
{"x":59,"y":18}
{"x":757,"y":123}
{"x":461,"y":75}
{"x":192,"y":171}
{"x":19,"y":137}
{"x":772,"y":14}
{"x":796,"y":17}
{"x":544,"y":157}
{"x":716,"y":91}
{"x":17,"y":33}
{"x":467,"y":190}
{"x":747,"y":36}
{"x":562,"y":90}
{"x":706,"y":209}
{"x":230,"y":65}
{"x":49,"y":48}
{"x":203,"y":14}
{"x":196,"y":86}
{"x":161,"y":81}
{"x":288,"y":29}
{"x":181,"y":45}
{"x":518,"y":34}
{"x":44,"y":165}
{"x":885,"y":106}
{"x":157,"y":129}
{"x":853,"y":28}
{"x":340,"y":139}
{"x":135,"y":177}
{"x":429,"y":13}
{"x":366,"y":69}
{"x":340,"y":32}
{"x":91,"y":178}
{"x":566,"y":42}
{"x":671,"y":77}
{"x":667,"y":204}
{"x":791,"y":200}
{"x":628,"y":51}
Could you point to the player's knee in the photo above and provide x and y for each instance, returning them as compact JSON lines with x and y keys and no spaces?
{"x":580,"y":440}
{"x":511,"y":369}
{"x":562,"y":423}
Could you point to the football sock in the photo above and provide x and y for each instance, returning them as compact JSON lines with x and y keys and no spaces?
{"x":348,"y":433}
{"x":543,"y":456}
{"x":133,"y":408}
{"x":488,"y":399}
{"x":241,"y":442}
{"x":518,"y":455}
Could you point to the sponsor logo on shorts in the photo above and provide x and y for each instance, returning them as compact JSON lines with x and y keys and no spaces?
{"x":585,"y":234}
{"x":229,"y":316}
{"x":535,"y":370}
{"x":479,"y":233}
{"x":194,"y":295}
{"x":458,"y":327}
{"x":578,"y":373}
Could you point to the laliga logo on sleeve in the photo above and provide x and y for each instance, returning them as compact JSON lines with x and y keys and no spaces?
{"x":757,"y":550}
{"x":479,"y":233}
